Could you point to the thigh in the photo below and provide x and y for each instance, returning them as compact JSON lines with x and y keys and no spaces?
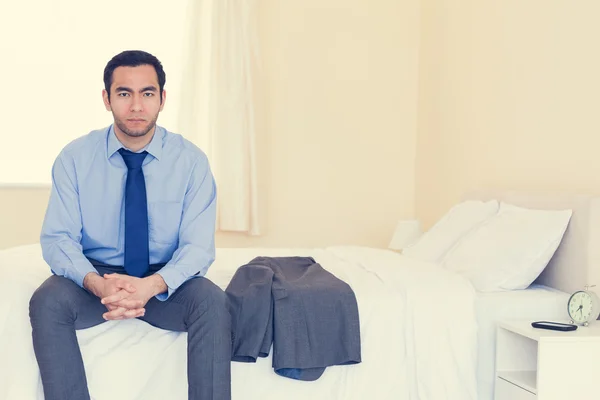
{"x":60,"y":297}
{"x":190,"y":301}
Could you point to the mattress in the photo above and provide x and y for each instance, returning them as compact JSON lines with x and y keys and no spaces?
{"x":535,"y":303}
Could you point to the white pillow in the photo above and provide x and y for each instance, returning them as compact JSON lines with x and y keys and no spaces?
{"x":511,"y":249}
{"x":457,"y":222}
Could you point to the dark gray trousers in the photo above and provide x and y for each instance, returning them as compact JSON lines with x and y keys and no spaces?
{"x":59,"y":307}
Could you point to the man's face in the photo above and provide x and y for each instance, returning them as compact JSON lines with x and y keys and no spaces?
{"x":134,"y":99}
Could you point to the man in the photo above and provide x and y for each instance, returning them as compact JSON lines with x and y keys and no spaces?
{"x":129,"y":233}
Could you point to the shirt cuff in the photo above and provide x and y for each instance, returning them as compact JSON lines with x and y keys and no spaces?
{"x":79,"y":271}
{"x":173,"y":278}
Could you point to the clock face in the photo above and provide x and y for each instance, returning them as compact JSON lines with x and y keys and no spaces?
{"x":581,"y":307}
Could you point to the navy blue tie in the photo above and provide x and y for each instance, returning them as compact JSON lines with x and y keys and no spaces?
{"x":137,"y":258}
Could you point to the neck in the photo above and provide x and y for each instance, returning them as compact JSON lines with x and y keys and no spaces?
{"x":134,"y":143}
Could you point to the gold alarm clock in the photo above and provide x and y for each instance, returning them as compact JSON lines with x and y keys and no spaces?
{"x":584,"y":307}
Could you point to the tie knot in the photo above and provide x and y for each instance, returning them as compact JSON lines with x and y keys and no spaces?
{"x":133,"y":160}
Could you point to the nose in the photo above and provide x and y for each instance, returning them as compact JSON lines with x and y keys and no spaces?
{"x":136,"y":103}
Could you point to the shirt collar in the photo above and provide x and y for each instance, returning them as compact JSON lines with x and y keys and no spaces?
{"x":154,"y":147}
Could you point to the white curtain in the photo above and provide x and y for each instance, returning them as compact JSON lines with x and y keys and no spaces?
{"x":217,"y":110}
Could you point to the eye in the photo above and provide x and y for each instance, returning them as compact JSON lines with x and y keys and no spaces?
{"x":148,"y":94}
{"x":123,"y":94}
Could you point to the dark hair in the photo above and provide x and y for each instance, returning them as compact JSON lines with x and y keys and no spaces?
{"x":133,"y":58}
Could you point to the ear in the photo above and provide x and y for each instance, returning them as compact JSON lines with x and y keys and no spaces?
{"x":106,"y":100}
{"x":164,"y":99}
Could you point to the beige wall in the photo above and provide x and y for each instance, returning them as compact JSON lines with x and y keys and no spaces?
{"x":509,"y":98}
{"x":337,"y":126}
{"x":21,"y":215}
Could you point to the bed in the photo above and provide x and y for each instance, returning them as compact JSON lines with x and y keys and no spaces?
{"x":426,"y":332}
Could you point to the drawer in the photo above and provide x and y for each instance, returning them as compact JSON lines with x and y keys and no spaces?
{"x":508,"y":391}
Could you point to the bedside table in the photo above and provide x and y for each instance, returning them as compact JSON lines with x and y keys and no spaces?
{"x":547,"y":365}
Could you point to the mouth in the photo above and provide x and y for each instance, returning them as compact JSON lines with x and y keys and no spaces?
{"x":136,"y":120}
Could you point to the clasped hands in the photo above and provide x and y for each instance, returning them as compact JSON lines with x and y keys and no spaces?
{"x":124,"y":296}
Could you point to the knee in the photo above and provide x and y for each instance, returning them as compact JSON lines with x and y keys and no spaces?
{"x":54,"y":295}
{"x":204,"y":297}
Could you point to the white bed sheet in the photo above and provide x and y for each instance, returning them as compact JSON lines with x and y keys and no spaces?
{"x":418,"y":336}
{"x":538,"y":302}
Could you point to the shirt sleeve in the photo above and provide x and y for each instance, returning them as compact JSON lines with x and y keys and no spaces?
{"x":196,"y":251}
{"x":61,"y":230}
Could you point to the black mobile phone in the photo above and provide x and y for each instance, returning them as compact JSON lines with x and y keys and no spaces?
{"x":555,"y":326}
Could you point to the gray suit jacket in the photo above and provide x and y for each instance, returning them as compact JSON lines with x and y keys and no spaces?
{"x":307,"y":314}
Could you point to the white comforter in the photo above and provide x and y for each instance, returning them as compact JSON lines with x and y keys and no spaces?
{"x":418,"y":333}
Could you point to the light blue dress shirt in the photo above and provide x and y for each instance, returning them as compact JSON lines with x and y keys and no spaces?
{"x":85,"y":215}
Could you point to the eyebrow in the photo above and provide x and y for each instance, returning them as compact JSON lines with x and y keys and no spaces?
{"x":129,"y":90}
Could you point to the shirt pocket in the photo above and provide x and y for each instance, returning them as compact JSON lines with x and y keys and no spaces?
{"x":164,"y":220}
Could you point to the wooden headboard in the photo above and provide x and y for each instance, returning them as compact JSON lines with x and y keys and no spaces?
{"x":576,"y":262}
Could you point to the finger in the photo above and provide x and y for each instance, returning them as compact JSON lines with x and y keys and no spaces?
{"x":115,"y":297}
{"x":122,"y":284}
{"x":114,"y":314}
{"x":122,"y":279}
{"x":111,"y":315}
{"x":123,"y":313}
{"x":130,"y":304}
{"x":134,"y":313}
{"x":111,"y":307}
{"x":131,"y":314}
